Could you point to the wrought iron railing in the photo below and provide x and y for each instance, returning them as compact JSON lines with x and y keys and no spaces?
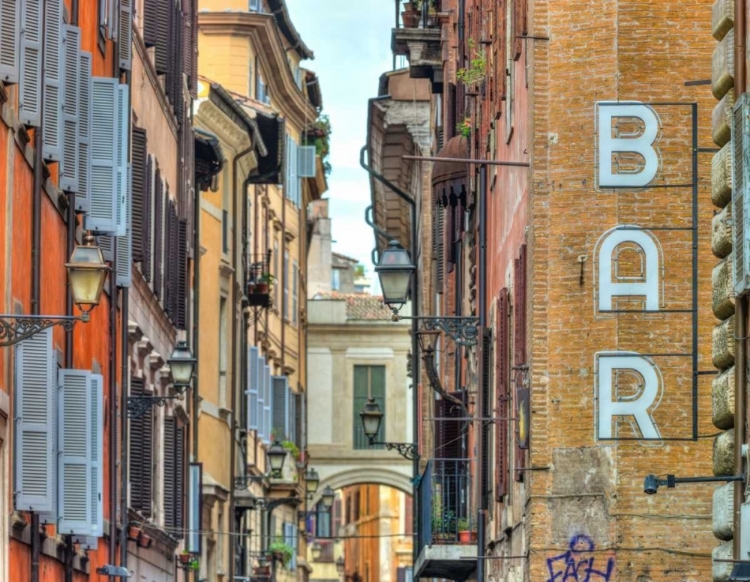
{"x":444,"y":501}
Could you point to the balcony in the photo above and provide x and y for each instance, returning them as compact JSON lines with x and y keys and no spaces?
{"x":259,"y":280}
{"x":445,"y":549}
{"x":419,"y":41}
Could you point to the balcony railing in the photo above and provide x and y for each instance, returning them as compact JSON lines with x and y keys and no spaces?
{"x":408,"y":15}
{"x":259,"y":280}
{"x":445,"y":507}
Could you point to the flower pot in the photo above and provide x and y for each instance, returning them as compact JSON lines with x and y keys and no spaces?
{"x":133,"y":532}
{"x":262,"y":571}
{"x":185,"y":558}
{"x":410,"y":18}
{"x":261,"y":287}
{"x":467,"y":537}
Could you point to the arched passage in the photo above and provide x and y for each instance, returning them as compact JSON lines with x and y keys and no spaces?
{"x":329,"y":476}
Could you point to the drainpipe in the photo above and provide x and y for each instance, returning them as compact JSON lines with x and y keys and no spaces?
{"x":740,"y":318}
{"x":414,"y":341}
{"x":486,"y":408}
{"x":237,"y":274}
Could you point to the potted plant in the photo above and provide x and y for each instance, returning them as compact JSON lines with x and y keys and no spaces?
{"x":292,"y":448}
{"x":251,"y":285}
{"x":281,"y":552}
{"x":412,"y":12}
{"x":185,"y":558}
{"x":477,"y":69}
{"x":443,"y":525}
{"x":466,"y":532}
{"x":134,"y":530}
{"x":264,"y":283}
{"x":464,"y":127}
{"x":263,"y":569}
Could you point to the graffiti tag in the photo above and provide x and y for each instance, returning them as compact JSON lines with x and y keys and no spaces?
{"x":578,"y":564}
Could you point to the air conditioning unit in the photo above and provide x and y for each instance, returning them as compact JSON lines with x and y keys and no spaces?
{"x":740,"y":197}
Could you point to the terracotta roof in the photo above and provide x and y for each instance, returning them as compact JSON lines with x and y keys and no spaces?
{"x":361,"y":306}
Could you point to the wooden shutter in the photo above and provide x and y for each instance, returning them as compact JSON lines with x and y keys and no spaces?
{"x":102,"y":216}
{"x":170,"y":494}
{"x":162,"y":19}
{"x":141,"y":455}
{"x":300,"y":421}
{"x":502,"y":390}
{"x":179,"y":473}
{"x":182,"y":274}
{"x":74,"y":461}
{"x":253,"y":362}
{"x":267,"y":403}
{"x":10,"y":15}
{"x":85,"y":111}
{"x":52,"y":123}
{"x":486,"y":412}
{"x":291,"y":421}
{"x":519,"y":27}
{"x":148,"y":212}
{"x":138,"y":156}
{"x":440,"y":246}
{"x":158,"y":232}
{"x":519,"y":346}
{"x":174,"y":76}
{"x":194,"y":62}
{"x":96,"y":450}
{"x":261,"y":397}
{"x":70,"y":166}
{"x":36,"y":384}
{"x":30,"y":64}
{"x":188,"y":46}
{"x":280,"y":386}
{"x":150,"y":18}
{"x":125,"y":38}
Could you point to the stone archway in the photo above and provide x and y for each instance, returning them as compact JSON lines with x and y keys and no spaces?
{"x":397,"y":478}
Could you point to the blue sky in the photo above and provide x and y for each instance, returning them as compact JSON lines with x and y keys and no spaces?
{"x":351,"y":41}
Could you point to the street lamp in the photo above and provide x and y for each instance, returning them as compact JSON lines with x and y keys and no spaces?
{"x":87,"y":272}
{"x":312,"y":480}
{"x":316,"y":551}
{"x":340,"y":565}
{"x":328,"y":497}
{"x":371,"y":416}
{"x":276,"y":457}
{"x":181,"y":364}
{"x":395,"y":270}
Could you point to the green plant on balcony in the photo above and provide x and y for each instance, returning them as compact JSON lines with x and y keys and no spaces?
{"x":443,"y":524}
{"x":464,"y":127}
{"x":281,"y":551}
{"x":477,"y":69}
{"x":319,"y":135}
{"x":293,"y":449}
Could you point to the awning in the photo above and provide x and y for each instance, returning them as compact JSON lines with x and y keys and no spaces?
{"x":209,"y":157}
{"x":273,"y":131}
{"x":449,"y":178}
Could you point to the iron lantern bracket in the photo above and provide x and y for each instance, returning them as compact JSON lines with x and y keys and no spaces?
{"x":406,"y":450}
{"x":463,"y":330}
{"x":139,"y":405}
{"x":16,"y":328}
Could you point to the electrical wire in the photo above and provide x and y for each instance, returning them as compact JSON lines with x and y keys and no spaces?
{"x":185,"y":531}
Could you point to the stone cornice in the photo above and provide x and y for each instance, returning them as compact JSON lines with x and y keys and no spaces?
{"x":264,"y":33}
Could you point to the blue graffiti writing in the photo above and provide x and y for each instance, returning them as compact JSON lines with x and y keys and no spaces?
{"x":578,"y":563}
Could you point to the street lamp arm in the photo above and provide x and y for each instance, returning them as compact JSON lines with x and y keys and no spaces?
{"x":406,"y":450}
{"x":17,"y":328}
{"x":463,"y":330}
{"x":139,"y":405}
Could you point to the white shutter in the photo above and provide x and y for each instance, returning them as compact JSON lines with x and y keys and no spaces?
{"x":30,"y":65}
{"x":52,"y":122}
{"x":125,"y":39}
{"x":73,"y":438}
{"x":96,"y":457}
{"x":740,"y":199}
{"x":125,"y":243}
{"x":104,"y":242}
{"x":83,"y":197}
{"x":36,"y":381}
{"x":69,"y":167}
{"x":306,"y":161}
{"x":252,"y":388}
{"x":102,"y":216}
{"x":10,"y":14}
{"x":123,"y":149}
{"x":267,"y":403}
{"x":293,"y":172}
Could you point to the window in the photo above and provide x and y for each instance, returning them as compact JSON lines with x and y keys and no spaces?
{"x":224,"y":231}
{"x":255,"y":6}
{"x":369,"y":381}
{"x":250,"y":76}
{"x":322,"y":521}
{"x":276,"y":272}
{"x":223,"y":349}
{"x":292,"y":189}
{"x":285,"y":276}
{"x":295,"y":292}
{"x":261,"y":89}
{"x":335,"y":279}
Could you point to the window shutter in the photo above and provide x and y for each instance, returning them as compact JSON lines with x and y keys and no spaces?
{"x":141,"y":455}
{"x":96,"y":449}
{"x":138,"y":192}
{"x":502,"y":391}
{"x":740,"y":180}
{"x":122,"y":138}
{"x":30,"y":82}
{"x":260,"y":410}
{"x":294,"y":172}
{"x":125,"y":38}
{"x":52,"y":123}
{"x":70,"y":167}
{"x":291,"y":422}
{"x":10,"y":13}
{"x":267,"y":403}
{"x":306,"y":162}
{"x":105,"y":243}
{"x":150,"y":26}
{"x":163,"y":18}
{"x":280,"y":408}
{"x":450,"y":430}
{"x":182,"y":274}
{"x":299,"y":421}
{"x":102,"y":216}
{"x":147,"y":266}
{"x":169,"y":471}
{"x":74,"y":462}
{"x":519,"y":27}
{"x":179,"y":466}
{"x":36,"y":382}
{"x":125,"y":243}
{"x":83,"y":197}
{"x":486,"y":412}
{"x":519,"y":348}
{"x":158,"y":232}
{"x":252,"y":388}
{"x":191,"y":48}
{"x":440,"y":245}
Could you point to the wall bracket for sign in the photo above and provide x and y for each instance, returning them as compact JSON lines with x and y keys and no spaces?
{"x":614,"y":152}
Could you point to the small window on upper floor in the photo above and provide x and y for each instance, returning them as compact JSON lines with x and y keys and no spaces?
{"x":255,"y":6}
{"x":335,"y":280}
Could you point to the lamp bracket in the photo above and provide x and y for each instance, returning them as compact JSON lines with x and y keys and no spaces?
{"x":16,"y":328}
{"x":406,"y":450}
{"x":139,"y":405}
{"x":461,"y":329}
{"x":244,"y":481}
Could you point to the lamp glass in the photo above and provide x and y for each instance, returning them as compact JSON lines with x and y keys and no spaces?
{"x":316,"y":551}
{"x":86,"y":273}
{"x":372,"y":417}
{"x":312,"y":480}
{"x":181,"y":364}
{"x":328,"y":497}
{"x":340,"y":565}
{"x":276,"y":457}
{"x":395,"y":270}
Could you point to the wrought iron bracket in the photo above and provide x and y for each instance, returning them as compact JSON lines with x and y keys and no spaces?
{"x":462,"y":330}
{"x":244,"y":481}
{"x":139,"y":405}
{"x":16,"y":328}
{"x":406,"y":450}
